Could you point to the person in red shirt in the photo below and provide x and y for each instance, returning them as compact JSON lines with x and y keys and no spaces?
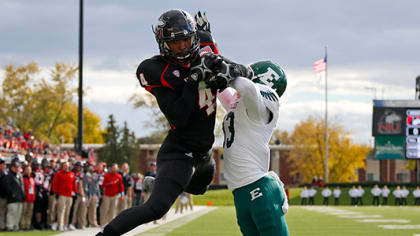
{"x":64,"y":186}
{"x":28,"y":204}
{"x":113,"y":190}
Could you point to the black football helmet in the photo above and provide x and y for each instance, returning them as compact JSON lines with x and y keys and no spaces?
{"x":174,"y":25}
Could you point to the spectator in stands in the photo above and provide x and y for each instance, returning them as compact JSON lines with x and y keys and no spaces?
{"x":353,"y":195}
{"x":315,"y":181}
{"x":2,"y":140}
{"x":326,"y":193}
{"x":360,"y":193}
{"x":304,"y":195}
{"x":404,"y":195}
{"x":44,"y":192}
{"x":416,"y":194}
{"x":39,"y":208}
{"x":376,"y":192}
{"x":100,"y":172}
{"x":52,"y":203}
{"x":128,"y":188}
{"x":320,"y":182}
{"x":28,"y":205}
{"x":385,"y":193}
{"x":64,"y":184}
{"x":3,"y":194}
{"x":92,"y":193}
{"x":79,"y":203}
{"x":312,"y":193}
{"x":113,"y":188}
{"x":337,"y":193}
{"x":13,"y":184}
{"x":152,"y":170}
{"x":397,"y":195}
{"x":148,"y":186}
{"x":138,"y":197}
{"x":28,"y":157}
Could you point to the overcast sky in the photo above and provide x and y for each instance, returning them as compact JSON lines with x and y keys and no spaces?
{"x":371,"y":44}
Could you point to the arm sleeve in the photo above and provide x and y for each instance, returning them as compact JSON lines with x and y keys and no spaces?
{"x":226,"y":97}
{"x":252,"y":98}
{"x":177,"y":108}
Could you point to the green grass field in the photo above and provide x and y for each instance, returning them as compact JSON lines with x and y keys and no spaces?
{"x":313,"y":220}
{"x":28,"y":233}
{"x":303,"y":221}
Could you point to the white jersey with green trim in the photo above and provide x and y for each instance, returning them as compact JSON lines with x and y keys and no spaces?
{"x":245,"y":148}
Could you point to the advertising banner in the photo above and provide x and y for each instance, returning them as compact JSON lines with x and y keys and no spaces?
{"x":389,"y":147}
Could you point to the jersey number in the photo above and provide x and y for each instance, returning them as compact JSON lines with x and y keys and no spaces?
{"x":143,"y":80}
{"x":229,"y":131}
{"x":207,"y":98}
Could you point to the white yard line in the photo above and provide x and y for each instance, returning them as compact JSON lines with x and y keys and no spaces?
{"x":400,"y":227}
{"x":384,"y":221}
{"x":171,"y":216}
{"x":359,"y":216}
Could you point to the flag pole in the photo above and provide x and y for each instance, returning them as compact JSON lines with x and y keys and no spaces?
{"x":326,"y":116}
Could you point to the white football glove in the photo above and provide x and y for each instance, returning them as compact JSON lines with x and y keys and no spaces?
{"x":285,"y":206}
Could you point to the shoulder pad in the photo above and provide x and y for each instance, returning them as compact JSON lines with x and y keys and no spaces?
{"x":270,"y":98}
{"x":268,"y":93}
{"x":149,"y":71}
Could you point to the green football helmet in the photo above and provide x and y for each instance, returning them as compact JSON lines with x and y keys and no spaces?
{"x":269,"y":74}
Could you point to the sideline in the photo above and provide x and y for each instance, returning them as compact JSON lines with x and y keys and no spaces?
{"x":171,"y":216}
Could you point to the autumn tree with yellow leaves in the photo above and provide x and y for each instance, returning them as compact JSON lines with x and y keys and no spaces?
{"x":45,"y":106}
{"x":308,"y":155}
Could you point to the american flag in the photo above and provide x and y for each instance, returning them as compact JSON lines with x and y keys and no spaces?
{"x":320,"y":65}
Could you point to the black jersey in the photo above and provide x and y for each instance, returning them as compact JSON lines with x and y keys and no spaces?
{"x":190,"y":111}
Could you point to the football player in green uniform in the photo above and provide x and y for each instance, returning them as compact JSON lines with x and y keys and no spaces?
{"x":252,"y":113}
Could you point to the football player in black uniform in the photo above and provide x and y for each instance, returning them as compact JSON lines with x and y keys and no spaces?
{"x":175,"y":78}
